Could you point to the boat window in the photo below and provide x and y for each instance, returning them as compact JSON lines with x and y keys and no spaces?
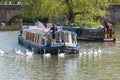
{"x":24,"y":34}
{"x":42,"y":41}
{"x":62,"y":37}
{"x":39,"y":40}
{"x":69,"y":37}
{"x":73,"y":38}
{"x":57,"y":37}
{"x":32,"y":36}
{"x":27,"y":35}
{"x":49,"y":36}
{"x":66,"y":37}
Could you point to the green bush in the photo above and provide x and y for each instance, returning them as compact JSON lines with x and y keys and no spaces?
{"x":82,"y":24}
{"x":86,"y":24}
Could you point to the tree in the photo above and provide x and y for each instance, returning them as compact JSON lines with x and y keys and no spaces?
{"x":42,"y":8}
{"x":115,"y":1}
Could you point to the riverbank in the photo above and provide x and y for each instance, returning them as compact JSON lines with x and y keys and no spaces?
{"x":9,"y":27}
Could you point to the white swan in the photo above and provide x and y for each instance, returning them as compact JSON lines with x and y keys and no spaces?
{"x":99,"y":50}
{"x":91,"y":51}
{"x":61,"y":54}
{"x":80,"y":53}
{"x":46,"y":54}
{"x":28,"y":53}
{"x":1,"y":52}
{"x":95,"y":52}
{"x":85,"y":53}
{"x":18,"y":52}
{"x":15,"y":50}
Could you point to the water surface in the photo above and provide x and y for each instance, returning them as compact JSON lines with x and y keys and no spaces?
{"x":83,"y":66}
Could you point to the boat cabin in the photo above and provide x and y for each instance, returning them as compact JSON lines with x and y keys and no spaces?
{"x":37,"y":35}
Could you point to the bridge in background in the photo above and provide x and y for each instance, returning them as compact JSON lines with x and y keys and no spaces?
{"x":9,"y":11}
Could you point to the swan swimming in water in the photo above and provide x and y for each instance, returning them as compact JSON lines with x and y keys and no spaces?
{"x":99,"y":50}
{"x":95,"y":53}
{"x":15,"y":50}
{"x":61,"y":54}
{"x":28,"y":53}
{"x":85,"y":53}
{"x":1,"y":52}
{"x":46,"y":54}
{"x":18,"y":52}
{"x":80,"y":53}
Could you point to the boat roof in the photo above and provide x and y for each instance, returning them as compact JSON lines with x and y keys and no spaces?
{"x":43,"y":30}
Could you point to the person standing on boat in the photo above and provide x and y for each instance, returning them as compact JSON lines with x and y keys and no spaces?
{"x":38,"y":23}
{"x":21,"y":27}
{"x":108,"y":28}
{"x":53,"y":29}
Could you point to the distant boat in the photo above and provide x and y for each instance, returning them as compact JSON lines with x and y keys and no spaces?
{"x":92,"y":34}
{"x":33,"y":37}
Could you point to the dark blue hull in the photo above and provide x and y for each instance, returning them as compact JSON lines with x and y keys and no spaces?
{"x":90,"y":34}
{"x":52,"y":50}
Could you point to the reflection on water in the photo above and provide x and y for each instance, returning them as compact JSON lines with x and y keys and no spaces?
{"x":96,"y":61}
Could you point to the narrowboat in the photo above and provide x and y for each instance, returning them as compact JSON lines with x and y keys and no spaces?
{"x":33,"y":38}
{"x":92,"y":34}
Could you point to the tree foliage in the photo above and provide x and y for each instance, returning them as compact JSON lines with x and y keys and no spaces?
{"x":84,"y":9}
{"x":115,"y":1}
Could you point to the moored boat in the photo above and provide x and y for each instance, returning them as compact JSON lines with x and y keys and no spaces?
{"x":93,"y":34}
{"x":34,"y":38}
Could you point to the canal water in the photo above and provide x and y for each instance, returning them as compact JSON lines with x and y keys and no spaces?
{"x":96,"y":61}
